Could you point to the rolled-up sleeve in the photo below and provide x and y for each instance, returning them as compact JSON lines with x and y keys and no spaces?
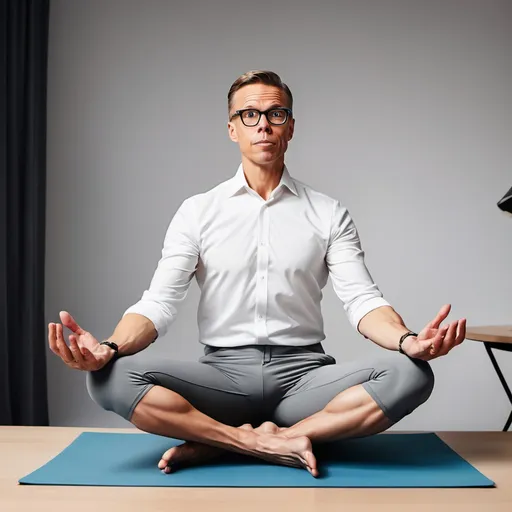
{"x":350,"y":277}
{"x":175,"y":270}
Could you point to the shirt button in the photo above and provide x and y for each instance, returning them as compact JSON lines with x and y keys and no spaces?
{"x":262,"y":277}
{"x":260,"y":317}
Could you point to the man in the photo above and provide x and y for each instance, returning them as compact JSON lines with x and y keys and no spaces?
{"x":261,"y":246}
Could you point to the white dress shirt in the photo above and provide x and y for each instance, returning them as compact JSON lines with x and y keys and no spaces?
{"x":260,"y":265}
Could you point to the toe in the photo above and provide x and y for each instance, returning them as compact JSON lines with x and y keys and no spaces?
{"x":167,"y":456}
{"x":310,"y":459}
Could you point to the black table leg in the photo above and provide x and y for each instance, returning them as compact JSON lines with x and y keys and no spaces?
{"x":488,"y":347}
{"x":509,"y":421}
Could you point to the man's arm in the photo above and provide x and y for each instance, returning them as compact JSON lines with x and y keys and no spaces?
{"x":169,"y":286}
{"x":364,"y":304}
{"x":133,"y":333}
{"x":384,"y":326}
{"x":366,"y":308}
{"x":353,"y":283}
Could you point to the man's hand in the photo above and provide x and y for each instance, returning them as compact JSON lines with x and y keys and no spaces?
{"x":84,"y":353}
{"x":435,"y":341}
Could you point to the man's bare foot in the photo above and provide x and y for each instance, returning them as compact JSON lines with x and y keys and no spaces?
{"x":189,"y":453}
{"x":289,"y":451}
{"x":270,"y":447}
{"x":192,"y":453}
{"x":274,"y":446}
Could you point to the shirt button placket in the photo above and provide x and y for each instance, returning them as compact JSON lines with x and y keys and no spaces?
{"x":262,"y":272}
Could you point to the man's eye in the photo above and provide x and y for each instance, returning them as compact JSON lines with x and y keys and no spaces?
{"x":250,"y":113}
{"x":277,"y":113}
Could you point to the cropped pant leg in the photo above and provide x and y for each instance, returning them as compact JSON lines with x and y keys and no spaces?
{"x":120,"y":386}
{"x":397,"y":383}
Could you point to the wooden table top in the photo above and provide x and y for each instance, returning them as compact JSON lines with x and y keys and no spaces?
{"x":494,"y":333}
{"x":24,"y":449}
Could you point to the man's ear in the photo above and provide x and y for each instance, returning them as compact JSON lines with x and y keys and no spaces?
{"x":232,"y":132}
{"x":291,"y":129}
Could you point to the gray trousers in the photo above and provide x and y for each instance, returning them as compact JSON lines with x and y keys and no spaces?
{"x":257,"y":383}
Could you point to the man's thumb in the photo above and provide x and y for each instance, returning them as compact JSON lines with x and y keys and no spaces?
{"x":70,"y":323}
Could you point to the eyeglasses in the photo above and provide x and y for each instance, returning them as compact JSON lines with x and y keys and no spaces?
{"x":252,"y":116}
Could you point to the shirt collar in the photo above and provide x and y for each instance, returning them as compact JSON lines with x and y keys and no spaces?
{"x":239,"y":181}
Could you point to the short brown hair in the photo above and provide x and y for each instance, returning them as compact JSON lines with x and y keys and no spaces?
{"x":255,"y":77}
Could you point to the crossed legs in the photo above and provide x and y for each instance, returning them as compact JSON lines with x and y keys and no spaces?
{"x":352,"y":413}
{"x":213,"y":415}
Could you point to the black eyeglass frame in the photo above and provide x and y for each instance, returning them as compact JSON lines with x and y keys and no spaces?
{"x":260,"y":112}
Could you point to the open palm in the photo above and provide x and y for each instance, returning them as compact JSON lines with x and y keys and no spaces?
{"x":436,"y":341}
{"x":84,"y":351}
{"x":84,"y":338}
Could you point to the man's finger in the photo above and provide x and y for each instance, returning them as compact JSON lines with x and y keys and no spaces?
{"x":70,"y":323}
{"x":75,"y":350}
{"x":461,"y":331}
{"x":448,"y":340}
{"x":443,"y":313}
{"x":52,"y":340}
{"x":62,"y":348}
{"x":432,"y":345}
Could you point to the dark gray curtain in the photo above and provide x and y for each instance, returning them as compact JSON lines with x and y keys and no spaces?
{"x":23,"y":65}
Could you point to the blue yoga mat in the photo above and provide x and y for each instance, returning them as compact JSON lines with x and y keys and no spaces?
{"x":384,"y":460}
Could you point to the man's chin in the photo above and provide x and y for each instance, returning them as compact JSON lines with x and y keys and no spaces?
{"x":264,"y":158}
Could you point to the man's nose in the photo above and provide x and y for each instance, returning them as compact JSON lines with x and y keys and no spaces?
{"x":263,"y":123}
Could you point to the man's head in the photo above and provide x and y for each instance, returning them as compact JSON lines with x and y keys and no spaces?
{"x":260,"y":91}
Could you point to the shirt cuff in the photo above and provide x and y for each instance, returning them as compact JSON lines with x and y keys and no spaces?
{"x":154,"y":313}
{"x":367,"y":306}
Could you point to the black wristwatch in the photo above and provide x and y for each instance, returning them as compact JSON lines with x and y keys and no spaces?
{"x":113,"y":346}
{"x":410,"y":333}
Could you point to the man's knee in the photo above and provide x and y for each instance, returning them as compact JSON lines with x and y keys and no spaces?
{"x":421,"y":378}
{"x":117,"y":387}
{"x":401,"y":385}
{"x":416,"y":379}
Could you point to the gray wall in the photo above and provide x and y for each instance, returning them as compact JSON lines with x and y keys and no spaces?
{"x":403,"y":113}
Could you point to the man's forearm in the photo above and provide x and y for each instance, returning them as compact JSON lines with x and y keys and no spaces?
{"x":133,"y":333}
{"x":384,"y":326}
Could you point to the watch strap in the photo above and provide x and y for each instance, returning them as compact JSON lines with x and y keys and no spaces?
{"x":112,"y":345}
{"x":400,"y":349}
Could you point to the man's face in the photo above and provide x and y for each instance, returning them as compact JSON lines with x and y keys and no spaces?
{"x":261,"y":97}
